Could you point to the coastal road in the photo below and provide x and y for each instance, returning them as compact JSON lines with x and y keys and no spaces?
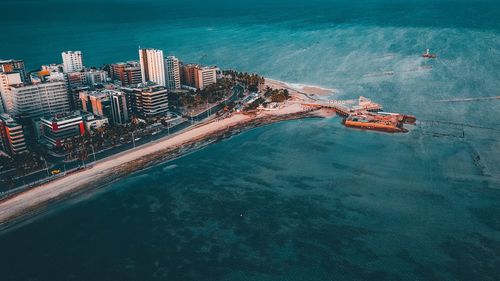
{"x":67,"y":166}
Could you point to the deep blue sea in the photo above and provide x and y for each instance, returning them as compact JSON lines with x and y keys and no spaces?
{"x":299,"y":200}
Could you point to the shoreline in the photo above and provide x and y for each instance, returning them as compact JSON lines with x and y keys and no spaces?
{"x":32,"y":202}
{"x":309,"y":92}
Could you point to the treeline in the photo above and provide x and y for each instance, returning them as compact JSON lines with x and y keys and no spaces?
{"x":276,"y":95}
{"x":80,"y":147}
{"x":251,"y":80}
{"x":22,"y":164}
{"x":211,"y":94}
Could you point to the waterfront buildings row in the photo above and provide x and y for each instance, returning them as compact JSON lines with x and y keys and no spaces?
{"x":61,"y":101}
{"x":171,"y":73}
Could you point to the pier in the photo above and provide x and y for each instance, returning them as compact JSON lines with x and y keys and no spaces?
{"x":366,"y":115}
{"x":342,"y":109}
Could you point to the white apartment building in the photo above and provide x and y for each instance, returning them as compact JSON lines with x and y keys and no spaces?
{"x":95,"y":76}
{"x":6,"y":81}
{"x":173,"y":73}
{"x":72,"y":61}
{"x":205,"y":76}
{"x":152,"y":66}
{"x":36,"y":100}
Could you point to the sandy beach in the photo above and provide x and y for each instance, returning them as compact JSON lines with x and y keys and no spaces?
{"x":120,"y":165}
{"x":300,"y":91}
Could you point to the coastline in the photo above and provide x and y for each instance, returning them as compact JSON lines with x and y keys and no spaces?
{"x":306,"y":92}
{"x":113,"y":168}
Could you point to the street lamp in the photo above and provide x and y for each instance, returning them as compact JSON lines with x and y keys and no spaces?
{"x":46,"y":167}
{"x":93,"y":151}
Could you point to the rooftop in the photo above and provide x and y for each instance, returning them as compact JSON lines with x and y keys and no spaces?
{"x":128,"y":63}
{"x":63,"y":116}
{"x":148,"y":86}
{"x":8,"y":119}
{"x":10,"y":60}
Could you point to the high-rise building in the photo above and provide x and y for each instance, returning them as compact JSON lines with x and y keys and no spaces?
{"x":188,"y":74}
{"x":152,"y":66}
{"x":11,"y":66}
{"x":111,"y":104}
{"x":96,"y":102}
{"x":76,"y":79}
{"x":173,"y":74}
{"x":12,"y":138}
{"x":95,"y":76}
{"x":205,"y":76}
{"x":36,"y":100}
{"x":6,"y":81}
{"x":72,"y":61}
{"x":128,"y":73}
{"x":75,"y":93}
{"x":56,"y":129}
{"x":148,"y":100}
{"x":198,"y":76}
{"x":119,"y":107}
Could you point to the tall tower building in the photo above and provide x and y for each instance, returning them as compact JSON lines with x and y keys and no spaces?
{"x":72,"y":61}
{"x":173,"y":74}
{"x":119,"y":107}
{"x":152,"y":66}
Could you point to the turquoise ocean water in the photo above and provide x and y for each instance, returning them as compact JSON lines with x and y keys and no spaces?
{"x":299,"y":200}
